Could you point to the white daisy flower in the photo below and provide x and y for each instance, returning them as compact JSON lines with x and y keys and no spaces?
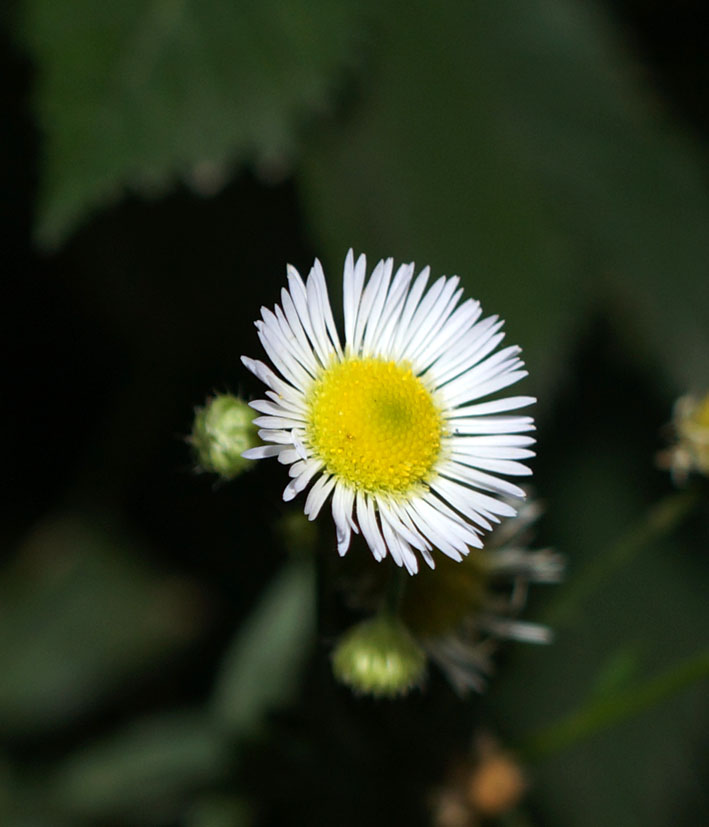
{"x":386,"y":423}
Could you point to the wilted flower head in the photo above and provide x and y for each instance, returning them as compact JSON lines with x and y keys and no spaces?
{"x":390,"y":423}
{"x":481,"y":787}
{"x":690,"y":451}
{"x":459,"y":620}
{"x":460,"y":612}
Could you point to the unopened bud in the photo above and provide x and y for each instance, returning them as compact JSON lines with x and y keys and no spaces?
{"x":379,"y":657}
{"x":222,"y":431}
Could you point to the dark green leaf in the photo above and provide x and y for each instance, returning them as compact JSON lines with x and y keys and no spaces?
{"x":264,"y":663}
{"x":139,"y":93}
{"x":146,"y":773}
{"x":79,"y":617}
{"x":508,"y":142}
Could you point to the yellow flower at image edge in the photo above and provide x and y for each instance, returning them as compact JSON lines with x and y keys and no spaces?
{"x":690,"y":453}
{"x":390,"y":425}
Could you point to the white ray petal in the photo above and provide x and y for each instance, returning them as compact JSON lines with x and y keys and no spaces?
{"x":289,"y":338}
{"x":294,"y":403}
{"x":277,"y":422}
{"x":453,"y":331}
{"x":511,"y":403}
{"x":389,"y":321}
{"x":299,"y":294}
{"x":273,"y":409}
{"x":268,"y":377}
{"x":295,"y":322}
{"x":468,"y":353}
{"x":490,"y":425}
{"x":369,"y":341}
{"x":326,"y":307}
{"x":419,"y":348}
{"x":407,"y":314}
{"x":486,"y":482}
{"x":463,"y":453}
{"x":318,"y":307}
{"x":368,"y":526}
{"x":289,"y":367}
{"x":262,"y":452}
{"x":369,"y":296}
{"x":279,"y":437}
{"x":288,"y":456}
{"x":428,"y":312}
{"x":317,"y":496}
{"x":297,"y":484}
{"x":342,"y":505}
{"x":352,"y":294}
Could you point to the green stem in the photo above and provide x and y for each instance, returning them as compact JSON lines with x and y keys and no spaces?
{"x":599,"y":714}
{"x":661,"y":519}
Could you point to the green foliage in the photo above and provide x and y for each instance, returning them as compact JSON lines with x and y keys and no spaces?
{"x":619,"y":692}
{"x":82,"y":616}
{"x":262,"y":668}
{"x":520,"y":157}
{"x":143,"y":774}
{"x":141,"y":94}
{"x":615,"y":706}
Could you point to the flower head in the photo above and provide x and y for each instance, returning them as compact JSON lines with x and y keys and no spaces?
{"x":386,"y":423}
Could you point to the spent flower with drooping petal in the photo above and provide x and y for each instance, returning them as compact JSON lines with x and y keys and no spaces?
{"x":390,"y":424}
{"x":460,"y":614}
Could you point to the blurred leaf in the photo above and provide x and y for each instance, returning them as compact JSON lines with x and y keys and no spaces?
{"x":79,"y":617}
{"x":220,"y":811}
{"x":262,"y":668}
{"x":620,"y":178}
{"x":423,"y":169}
{"x":520,"y":156}
{"x":616,"y":674}
{"x":20,"y":806}
{"x":146,"y":773}
{"x":139,"y":93}
{"x":655,"y":603}
{"x":612,"y":707}
{"x":661,"y":520}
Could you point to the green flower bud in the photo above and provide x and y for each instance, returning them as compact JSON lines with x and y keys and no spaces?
{"x":379,"y":657}
{"x":222,"y":431}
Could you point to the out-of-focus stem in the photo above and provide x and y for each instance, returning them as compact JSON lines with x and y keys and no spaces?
{"x":601,"y":713}
{"x":660,"y":520}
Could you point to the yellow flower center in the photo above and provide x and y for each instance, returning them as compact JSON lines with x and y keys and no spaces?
{"x":374,"y":425}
